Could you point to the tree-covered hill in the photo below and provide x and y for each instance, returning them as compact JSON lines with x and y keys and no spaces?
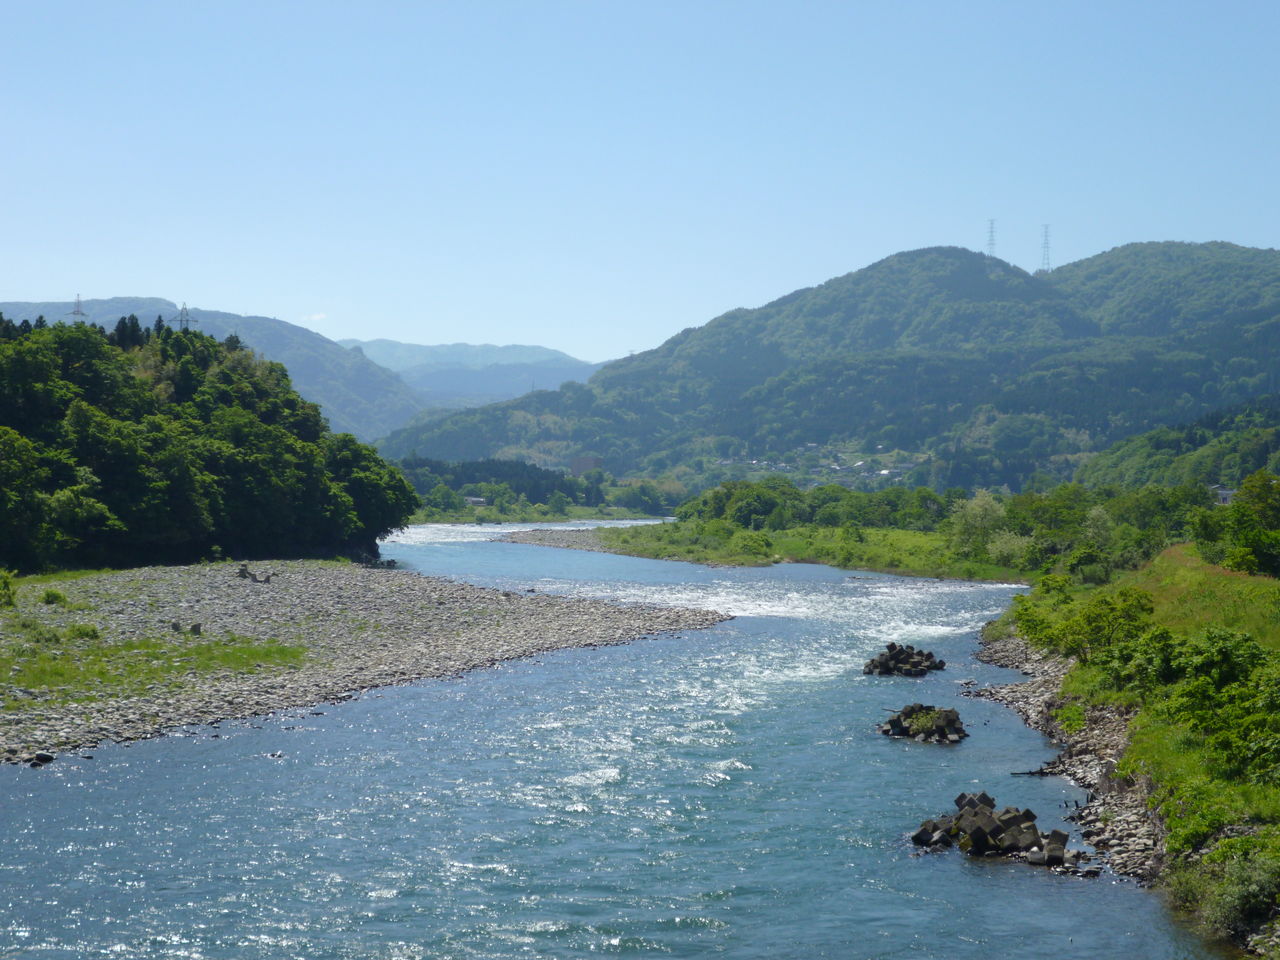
{"x":1223,"y":447}
{"x":355,"y":394}
{"x":990,"y":373}
{"x":150,"y":444}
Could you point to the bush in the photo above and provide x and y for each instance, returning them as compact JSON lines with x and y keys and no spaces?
{"x":8,"y":596}
{"x":751,"y":543}
{"x":52,"y":597}
{"x":1245,"y":898}
{"x":82,"y":631}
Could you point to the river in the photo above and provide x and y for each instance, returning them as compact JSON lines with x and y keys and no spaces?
{"x":722,"y":792}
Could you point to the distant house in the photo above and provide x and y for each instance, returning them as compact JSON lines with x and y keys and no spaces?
{"x":476,"y":501}
{"x":1222,"y":495}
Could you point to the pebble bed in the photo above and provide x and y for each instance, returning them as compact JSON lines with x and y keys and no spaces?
{"x":580,"y":539}
{"x":362,"y":627}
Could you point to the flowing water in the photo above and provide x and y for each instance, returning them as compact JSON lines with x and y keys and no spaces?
{"x":721,"y":792}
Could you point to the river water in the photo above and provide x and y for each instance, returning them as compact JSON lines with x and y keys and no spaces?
{"x":721,"y":792}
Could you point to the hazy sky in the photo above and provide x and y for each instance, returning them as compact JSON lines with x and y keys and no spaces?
{"x":595,"y":176}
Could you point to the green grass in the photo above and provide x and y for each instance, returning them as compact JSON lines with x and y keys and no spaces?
{"x":910,"y":552}
{"x":1223,"y":831}
{"x":1190,"y":595}
{"x":59,"y":576}
{"x":79,"y":665}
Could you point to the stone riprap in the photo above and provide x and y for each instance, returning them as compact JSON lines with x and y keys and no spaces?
{"x":360,"y":627}
{"x":1117,"y":820}
{"x":925,"y":724}
{"x":980,"y":830}
{"x":903,"y":661}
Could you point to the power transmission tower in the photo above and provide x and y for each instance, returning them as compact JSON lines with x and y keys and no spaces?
{"x":77,"y":312}
{"x":184,"y":318}
{"x":991,"y":238}
{"x":1045,"y":264}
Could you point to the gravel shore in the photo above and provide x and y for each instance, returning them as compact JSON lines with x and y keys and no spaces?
{"x":579,"y":539}
{"x":361,"y":628}
{"x":1116,"y":821}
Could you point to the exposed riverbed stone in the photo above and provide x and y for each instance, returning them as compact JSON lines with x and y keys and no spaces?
{"x":361,"y":628}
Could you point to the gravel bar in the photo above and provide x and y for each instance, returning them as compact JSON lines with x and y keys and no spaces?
{"x":577,"y":539}
{"x":362,"y":627}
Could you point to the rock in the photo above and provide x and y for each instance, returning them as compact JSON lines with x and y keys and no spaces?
{"x":43,"y":756}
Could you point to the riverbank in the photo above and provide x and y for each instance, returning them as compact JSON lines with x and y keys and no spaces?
{"x":1116,"y":821}
{"x":349,"y":628}
{"x":883,"y":550}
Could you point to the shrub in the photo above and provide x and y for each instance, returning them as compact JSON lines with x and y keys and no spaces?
{"x":82,"y":631}
{"x":52,"y":597}
{"x":1245,"y":897}
{"x":8,"y":596}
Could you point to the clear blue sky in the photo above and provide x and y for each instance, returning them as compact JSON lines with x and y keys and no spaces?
{"x":595,"y":176}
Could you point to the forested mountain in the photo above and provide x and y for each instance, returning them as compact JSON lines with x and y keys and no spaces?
{"x":992,"y":374}
{"x":151,"y":444}
{"x":458,"y":375}
{"x":355,"y":395}
{"x":1223,"y":447}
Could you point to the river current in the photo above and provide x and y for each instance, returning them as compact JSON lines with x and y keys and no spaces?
{"x":716,"y":793}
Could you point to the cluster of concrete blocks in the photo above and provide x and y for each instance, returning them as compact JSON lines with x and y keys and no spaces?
{"x":945,"y":725}
{"x":980,"y":830}
{"x":904,"y":661}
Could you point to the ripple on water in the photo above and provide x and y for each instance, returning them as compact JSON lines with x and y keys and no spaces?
{"x":721,"y":792}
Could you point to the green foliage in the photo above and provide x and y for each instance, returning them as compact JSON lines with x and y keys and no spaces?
{"x":8,"y":596}
{"x":1223,"y":447}
{"x":53,"y":597}
{"x":922,"y":722}
{"x":1070,"y":717}
{"x":992,"y":375}
{"x":162,"y":445}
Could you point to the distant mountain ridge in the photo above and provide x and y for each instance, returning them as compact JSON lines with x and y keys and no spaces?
{"x":990,"y":372}
{"x":459,"y":375}
{"x":399,"y":356}
{"x":355,"y":394}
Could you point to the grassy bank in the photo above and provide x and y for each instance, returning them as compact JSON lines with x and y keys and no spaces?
{"x":1193,"y":651}
{"x":911,"y":552}
{"x":53,"y":652}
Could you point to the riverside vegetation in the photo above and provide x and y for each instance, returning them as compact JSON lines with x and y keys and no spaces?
{"x":1183,"y":648}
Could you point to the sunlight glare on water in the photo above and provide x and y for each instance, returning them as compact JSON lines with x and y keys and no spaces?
{"x":720,"y":792}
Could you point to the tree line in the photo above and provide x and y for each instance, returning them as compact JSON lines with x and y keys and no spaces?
{"x":149,"y":444}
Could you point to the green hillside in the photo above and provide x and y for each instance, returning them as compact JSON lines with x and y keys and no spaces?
{"x":1223,"y":447}
{"x":987,"y":373}
{"x":355,"y":395}
{"x":151,"y":444}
